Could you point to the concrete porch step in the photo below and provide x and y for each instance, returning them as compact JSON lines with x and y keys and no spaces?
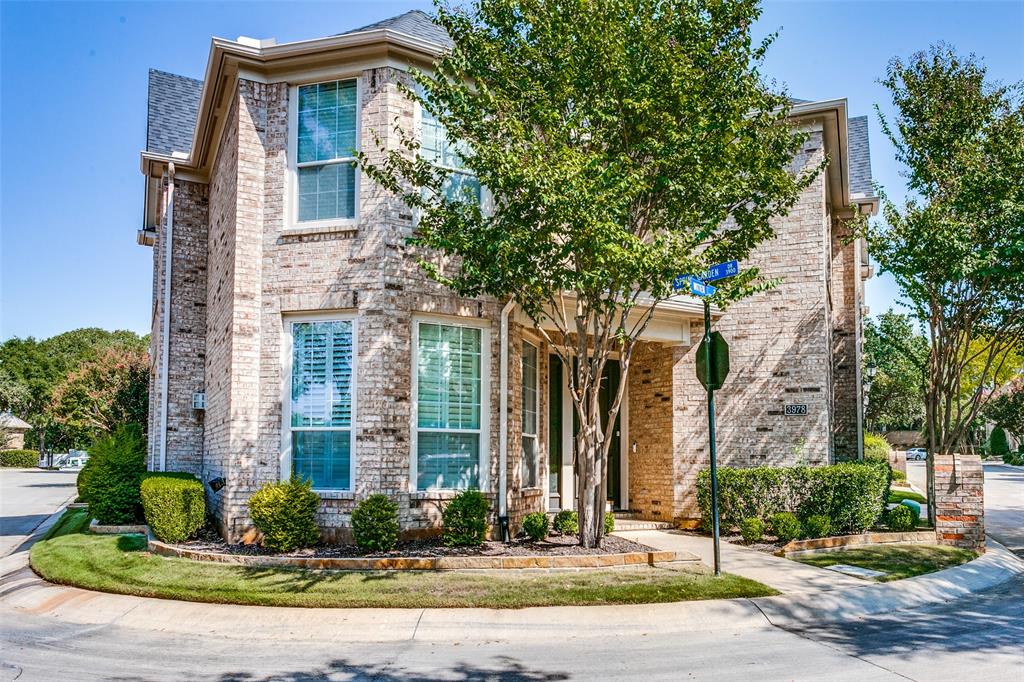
{"x":641,"y":524}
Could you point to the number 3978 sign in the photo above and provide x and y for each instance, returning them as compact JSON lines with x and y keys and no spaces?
{"x":796,"y":410}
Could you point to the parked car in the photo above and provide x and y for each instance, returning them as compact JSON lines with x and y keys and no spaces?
{"x":916,"y":454}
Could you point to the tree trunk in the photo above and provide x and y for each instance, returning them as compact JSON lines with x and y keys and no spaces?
{"x":591,"y":473}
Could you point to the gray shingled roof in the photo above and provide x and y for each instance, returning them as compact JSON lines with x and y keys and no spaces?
{"x":860,"y":156}
{"x":415,"y":23}
{"x":173,"y":107}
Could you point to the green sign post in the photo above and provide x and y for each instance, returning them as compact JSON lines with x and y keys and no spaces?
{"x":712,"y":370}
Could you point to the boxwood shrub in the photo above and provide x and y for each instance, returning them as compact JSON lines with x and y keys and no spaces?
{"x":567,"y":522}
{"x":109,"y":481}
{"x":817,"y":526}
{"x":286,"y":514}
{"x":22,"y":459}
{"x":851,"y":495}
{"x":535,"y":526}
{"x":174,"y":505}
{"x":752,"y":530}
{"x":465,"y":519}
{"x":902,"y":518}
{"x":785,"y":526}
{"x":375,"y":524}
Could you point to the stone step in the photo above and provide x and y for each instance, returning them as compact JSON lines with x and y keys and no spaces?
{"x":641,"y":524}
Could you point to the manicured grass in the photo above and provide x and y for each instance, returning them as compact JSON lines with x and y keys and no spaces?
{"x":118,"y":564}
{"x":898,"y":561}
{"x":896,"y":496}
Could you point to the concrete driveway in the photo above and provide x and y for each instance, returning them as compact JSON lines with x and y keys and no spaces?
{"x":27,"y":498}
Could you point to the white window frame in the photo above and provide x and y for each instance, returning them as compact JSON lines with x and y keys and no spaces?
{"x":292,"y":222}
{"x":485,"y":401}
{"x":287,"y":359}
{"x":535,"y":436}
{"x":486,"y":198}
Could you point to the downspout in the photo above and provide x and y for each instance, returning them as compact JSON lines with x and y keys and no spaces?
{"x":165,"y":331}
{"x":503,"y":421}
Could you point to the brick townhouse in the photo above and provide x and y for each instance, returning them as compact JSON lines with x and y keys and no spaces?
{"x":293,"y":330}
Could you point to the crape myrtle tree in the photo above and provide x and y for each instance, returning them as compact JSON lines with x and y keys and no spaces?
{"x":624,"y":142}
{"x":900,"y":355}
{"x":956,"y":245}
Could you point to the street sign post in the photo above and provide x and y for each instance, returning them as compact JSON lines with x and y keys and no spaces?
{"x":712,"y":369}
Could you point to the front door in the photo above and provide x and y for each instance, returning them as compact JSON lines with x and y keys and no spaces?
{"x":609,"y":388}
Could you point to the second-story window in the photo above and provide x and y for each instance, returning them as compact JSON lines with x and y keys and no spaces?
{"x":436,"y":147}
{"x":325,"y":158}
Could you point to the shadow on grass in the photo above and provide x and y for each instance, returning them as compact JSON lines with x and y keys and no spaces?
{"x":504,"y":668}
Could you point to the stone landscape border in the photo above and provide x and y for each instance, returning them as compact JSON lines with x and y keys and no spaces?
{"x":130,"y":529}
{"x":446,"y":563}
{"x":921,"y":537}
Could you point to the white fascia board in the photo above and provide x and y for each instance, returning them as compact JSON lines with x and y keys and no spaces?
{"x":834,"y":114}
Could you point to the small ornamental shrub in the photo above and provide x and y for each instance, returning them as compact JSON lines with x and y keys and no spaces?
{"x":22,"y":459}
{"x":286,"y":514}
{"x":876,"y":447}
{"x":752,"y":530}
{"x":898,"y":475}
{"x":1014,"y":458}
{"x":609,"y":523}
{"x":535,"y":526}
{"x":567,"y":522}
{"x":785,"y":526}
{"x":817,"y":526}
{"x":375,"y":524}
{"x":998,"y":443}
{"x":174,"y":505}
{"x":901,"y":519}
{"x":109,"y":482}
{"x":465,"y":519}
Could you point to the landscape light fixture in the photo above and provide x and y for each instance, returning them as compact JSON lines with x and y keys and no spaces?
{"x":216,"y":484}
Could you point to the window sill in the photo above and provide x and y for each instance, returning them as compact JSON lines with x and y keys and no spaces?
{"x":348,"y":228}
{"x":335,"y":494}
{"x":441,"y":494}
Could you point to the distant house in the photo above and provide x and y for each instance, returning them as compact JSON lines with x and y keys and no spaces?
{"x":294,"y":331}
{"x":13,"y":431}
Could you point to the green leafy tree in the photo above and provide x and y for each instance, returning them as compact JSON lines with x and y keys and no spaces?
{"x":624,"y":142}
{"x":955,"y":245}
{"x":1006,"y":408}
{"x":900,"y":356}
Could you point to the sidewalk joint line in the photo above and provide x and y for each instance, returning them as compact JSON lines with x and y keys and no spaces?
{"x":416,"y":628}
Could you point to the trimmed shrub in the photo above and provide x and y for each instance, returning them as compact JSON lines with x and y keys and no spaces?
{"x":998,"y":443}
{"x":817,"y":526}
{"x":174,"y":505}
{"x":535,"y":526}
{"x":898,"y":475}
{"x":465,"y":519}
{"x":22,"y":459}
{"x":109,"y":482}
{"x":901,"y":518}
{"x":286,"y":514}
{"x":876,"y":447}
{"x":375,"y":524}
{"x":567,"y":522}
{"x":609,"y":523}
{"x":785,"y":526}
{"x":1014,"y":458}
{"x":752,"y":530}
{"x":850,"y":494}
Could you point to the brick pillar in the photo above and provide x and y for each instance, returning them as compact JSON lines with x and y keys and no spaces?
{"x":960,"y":501}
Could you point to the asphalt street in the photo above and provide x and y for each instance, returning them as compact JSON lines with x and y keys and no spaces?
{"x":27,"y":498}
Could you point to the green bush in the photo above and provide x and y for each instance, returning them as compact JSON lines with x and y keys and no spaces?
{"x":851,"y":495}
{"x":174,"y":505}
{"x":898,"y":475}
{"x":901,"y":518}
{"x":609,"y":523}
{"x":465,"y":519}
{"x":109,"y":482}
{"x":286,"y":514}
{"x":22,"y":459}
{"x":375,"y":524}
{"x":876,"y":447}
{"x":817,"y":526}
{"x":535,"y":526}
{"x":998,"y":443}
{"x":567,"y":522}
{"x":1014,"y":458}
{"x":785,"y":526}
{"x":752,"y":530}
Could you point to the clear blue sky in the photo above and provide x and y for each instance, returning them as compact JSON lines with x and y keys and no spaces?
{"x":73,"y":119}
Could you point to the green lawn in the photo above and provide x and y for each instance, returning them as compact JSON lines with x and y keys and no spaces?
{"x":119,"y":564}
{"x":898,"y":561}
{"x":896,"y":496}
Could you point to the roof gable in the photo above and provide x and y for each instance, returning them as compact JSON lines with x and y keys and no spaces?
{"x":173,"y":107}
{"x":415,"y":23}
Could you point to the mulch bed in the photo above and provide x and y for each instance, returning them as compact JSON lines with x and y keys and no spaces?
{"x":555,"y":545}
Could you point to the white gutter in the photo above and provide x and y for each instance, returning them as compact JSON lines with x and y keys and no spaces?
{"x":503,"y":413}
{"x":165,"y":330}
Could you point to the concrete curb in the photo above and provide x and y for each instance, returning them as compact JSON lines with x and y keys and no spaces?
{"x":993,"y":568}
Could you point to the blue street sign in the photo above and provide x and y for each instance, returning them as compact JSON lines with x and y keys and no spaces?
{"x":721,"y":271}
{"x":696,"y":286}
